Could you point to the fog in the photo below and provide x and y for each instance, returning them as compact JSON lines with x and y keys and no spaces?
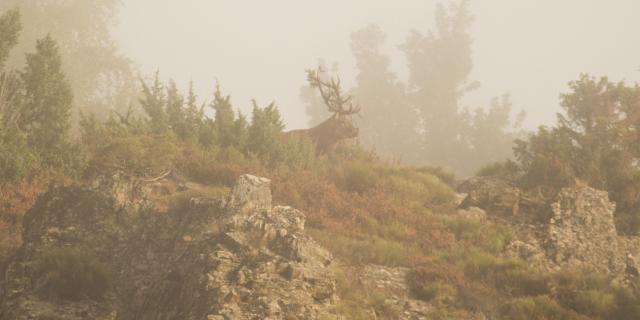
{"x":260,"y":49}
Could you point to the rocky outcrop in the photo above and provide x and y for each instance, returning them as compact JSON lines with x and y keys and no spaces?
{"x":576,"y":230}
{"x":582,"y":232}
{"x":530,"y":251}
{"x":498,"y":197}
{"x":231,"y":258}
{"x":396,"y":302}
{"x":494,"y":195}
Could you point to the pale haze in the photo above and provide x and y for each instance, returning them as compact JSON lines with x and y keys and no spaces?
{"x":260,"y":49}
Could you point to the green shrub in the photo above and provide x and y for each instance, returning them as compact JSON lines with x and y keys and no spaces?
{"x":298,"y":154}
{"x":586,"y":292}
{"x":17,"y":160}
{"x":72,"y":274}
{"x":537,"y":308}
{"x":488,"y":236}
{"x":386,"y":229}
{"x":463,"y":228}
{"x":435,"y":280}
{"x":445,"y":176}
{"x":133,"y":155}
{"x":507,"y":170}
{"x":50,"y":315}
{"x":415,"y":187}
{"x":364,"y":250}
{"x":510,"y":276}
{"x":353,"y":303}
{"x":359,"y":177}
{"x":627,"y":302}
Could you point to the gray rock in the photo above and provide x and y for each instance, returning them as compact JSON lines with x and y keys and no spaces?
{"x":473,"y":213}
{"x":258,"y":264}
{"x":250,"y":193}
{"x":494,"y":195}
{"x":582,"y":233}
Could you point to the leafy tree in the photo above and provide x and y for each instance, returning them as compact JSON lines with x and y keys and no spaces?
{"x":101,"y":78}
{"x":16,"y":158}
{"x":546,"y":159}
{"x":595,"y":141}
{"x":389,"y":124}
{"x":9,"y":84}
{"x":9,"y":31}
{"x":489,"y":133}
{"x":440,"y":64}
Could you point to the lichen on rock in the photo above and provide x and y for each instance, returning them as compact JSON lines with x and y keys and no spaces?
{"x":232,"y":258}
{"x":582,"y":232}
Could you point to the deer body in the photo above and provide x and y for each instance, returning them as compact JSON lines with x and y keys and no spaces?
{"x":327,"y":134}
{"x":335,"y":129}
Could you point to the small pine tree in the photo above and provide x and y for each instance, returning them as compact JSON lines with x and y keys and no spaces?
{"x":264,"y":132}
{"x":153,"y":103}
{"x":45,"y":105}
{"x":193,"y":116}
{"x":175,"y":110}
{"x":224,"y":121}
{"x":240,"y":132}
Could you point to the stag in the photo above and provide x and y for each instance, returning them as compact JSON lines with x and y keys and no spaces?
{"x":340,"y":126}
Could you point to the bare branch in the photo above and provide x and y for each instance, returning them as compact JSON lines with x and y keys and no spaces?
{"x":160,"y":177}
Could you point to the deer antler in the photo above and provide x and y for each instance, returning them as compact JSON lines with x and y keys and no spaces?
{"x":331,"y":93}
{"x":124,"y":119}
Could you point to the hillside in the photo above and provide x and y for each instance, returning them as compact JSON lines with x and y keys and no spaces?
{"x":120,"y":248}
{"x":124,"y":197}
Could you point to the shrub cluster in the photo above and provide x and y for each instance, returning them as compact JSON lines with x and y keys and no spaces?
{"x":511,"y":289}
{"x":70,"y":273}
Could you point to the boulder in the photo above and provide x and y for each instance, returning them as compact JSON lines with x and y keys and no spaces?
{"x":231,"y":258}
{"x":493,"y":195}
{"x":581,"y":231}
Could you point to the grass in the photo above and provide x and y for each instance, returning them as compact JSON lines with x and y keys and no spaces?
{"x":537,"y":308}
{"x":364,"y":211}
{"x":359,"y":251}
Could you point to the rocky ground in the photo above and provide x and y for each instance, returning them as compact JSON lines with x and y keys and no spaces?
{"x":240,"y":257}
{"x":574,"y":229}
{"x":231,"y":258}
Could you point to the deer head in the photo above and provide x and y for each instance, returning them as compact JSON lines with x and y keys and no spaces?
{"x":337,"y":128}
{"x":340,"y":125}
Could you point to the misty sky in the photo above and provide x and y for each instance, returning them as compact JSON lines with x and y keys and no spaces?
{"x":260,"y":49}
